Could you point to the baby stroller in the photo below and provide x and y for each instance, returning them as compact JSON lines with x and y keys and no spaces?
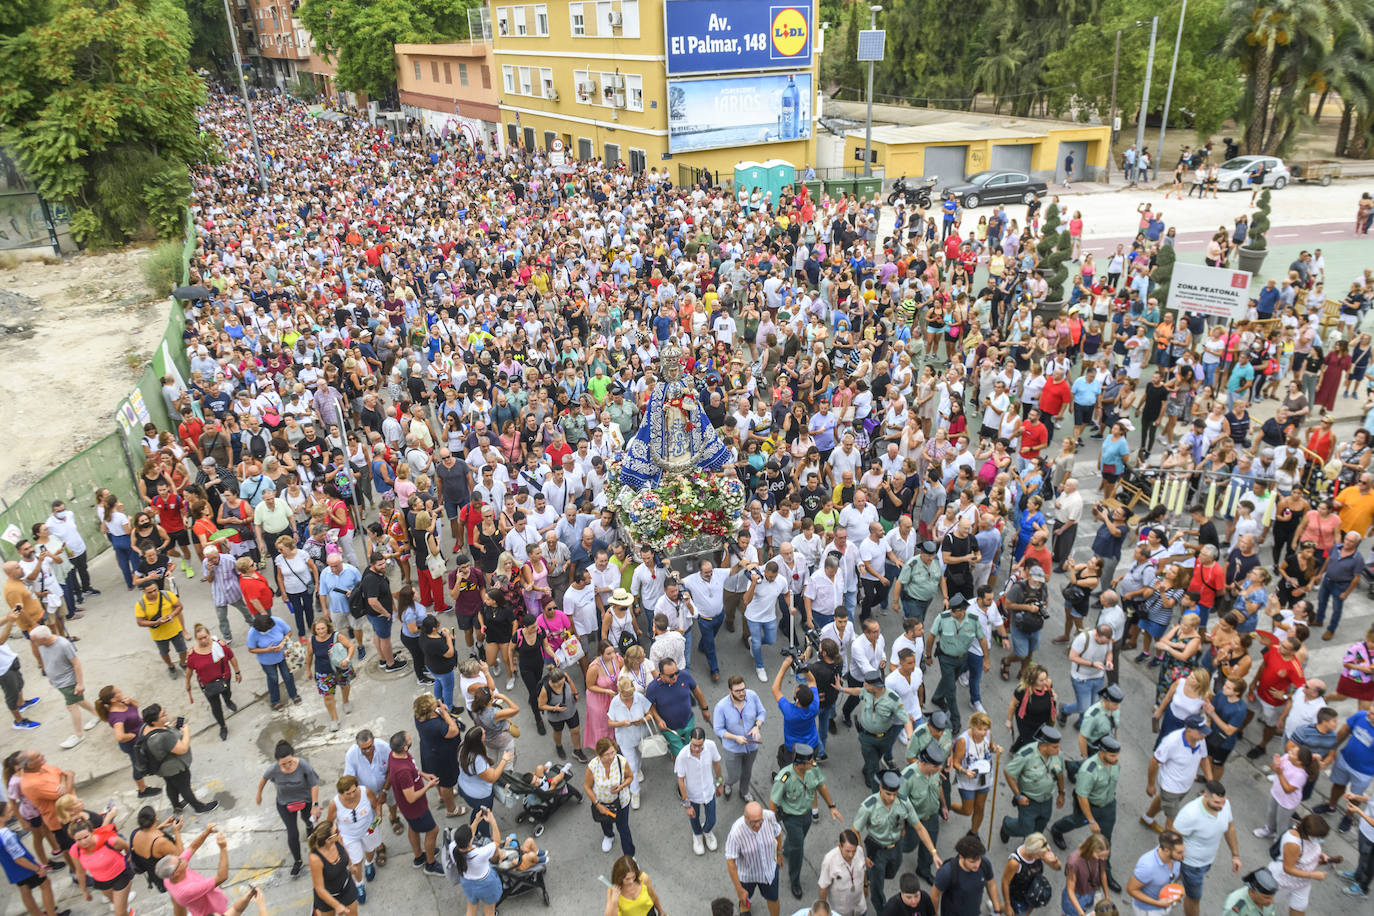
{"x":539,"y":796}
{"x":515,"y":882}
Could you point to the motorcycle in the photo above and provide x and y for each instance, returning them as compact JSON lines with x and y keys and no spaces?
{"x":914,"y":195}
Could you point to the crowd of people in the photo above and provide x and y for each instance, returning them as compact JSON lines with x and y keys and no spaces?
{"x":417,"y":372}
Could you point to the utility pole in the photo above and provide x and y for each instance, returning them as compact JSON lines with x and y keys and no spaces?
{"x":243,"y":89}
{"x":1144,"y":93}
{"x":1169,"y":93}
{"x":873,"y":12}
{"x":1111,"y":118}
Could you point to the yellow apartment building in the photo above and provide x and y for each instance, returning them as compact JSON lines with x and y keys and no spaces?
{"x":659,"y":84}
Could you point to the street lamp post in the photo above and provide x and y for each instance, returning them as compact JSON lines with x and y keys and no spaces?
{"x":247,"y":106}
{"x":1169,"y":93}
{"x":873,"y":12}
{"x":1145,"y":92}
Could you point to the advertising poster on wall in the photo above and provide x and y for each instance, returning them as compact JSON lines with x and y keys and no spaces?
{"x":738,"y":111}
{"x":708,"y":36}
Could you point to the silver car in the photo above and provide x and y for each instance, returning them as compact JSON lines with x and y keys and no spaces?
{"x":1235,"y":174}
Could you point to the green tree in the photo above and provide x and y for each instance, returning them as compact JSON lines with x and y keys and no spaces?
{"x":1205,"y":85}
{"x":930,"y":50}
{"x":1279,"y":44}
{"x":1021,"y":34}
{"x":361,"y":35}
{"x":1164,"y":274}
{"x":98,"y":106}
{"x":210,"y":34}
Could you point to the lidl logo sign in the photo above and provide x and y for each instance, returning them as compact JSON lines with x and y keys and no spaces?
{"x":788,"y":33}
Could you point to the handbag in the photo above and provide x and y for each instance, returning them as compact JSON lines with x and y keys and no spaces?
{"x":434,"y":563}
{"x":653,"y":744}
{"x":612,"y":806}
{"x":220,"y":685}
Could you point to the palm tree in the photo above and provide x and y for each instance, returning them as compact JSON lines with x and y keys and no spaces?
{"x":997,"y":74}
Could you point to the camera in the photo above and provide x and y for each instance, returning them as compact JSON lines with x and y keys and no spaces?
{"x":812,"y":639}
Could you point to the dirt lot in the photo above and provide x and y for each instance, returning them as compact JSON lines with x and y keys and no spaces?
{"x":74,"y":338}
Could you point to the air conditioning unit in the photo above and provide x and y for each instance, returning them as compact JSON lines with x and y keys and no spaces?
{"x":551,"y":95}
{"x":615,"y":18}
{"x":586,"y":90}
{"x":618,"y":99}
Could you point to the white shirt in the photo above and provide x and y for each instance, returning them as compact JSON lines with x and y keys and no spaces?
{"x":1089,"y":649}
{"x":809,"y":548}
{"x":679,"y":613}
{"x":709,"y":597}
{"x":580,"y":605}
{"x":1178,"y":762}
{"x":990,"y":619}
{"x":856,"y":521}
{"x":909,"y":691}
{"x":1069,"y":507}
{"x":865,"y":656}
{"x":698,"y":772}
{"x":518,"y":544}
{"x":904,"y":642}
{"x":1202,"y":831}
{"x":369,"y":773}
{"x":669,"y":645}
{"x":826,"y":594}
{"x":871,"y":552}
{"x":1302,"y":712}
{"x":904,"y":548}
{"x":608,"y":578}
{"x":845,"y":642}
{"x":849,"y":566}
{"x":647,"y":584}
{"x":763,"y":607}
{"x":63,"y":526}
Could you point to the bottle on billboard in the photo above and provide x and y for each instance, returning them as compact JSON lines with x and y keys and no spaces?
{"x":791,"y":111}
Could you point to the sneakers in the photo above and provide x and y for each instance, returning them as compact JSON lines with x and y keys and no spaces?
{"x":978,"y":707}
{"x":91,"y":724}
{"x":1256,"y":752}
{"x":72,"y":741}
{"x":398,"y":664}
{"x":27,"y":703}
{"x":1354,"y":890}
{"x":208,"y":806}
{"x":963,"y":679}
{"x":1262,"y":832}
{"x":370,"y":872}
{"x":297,"y":865}
{"x":25,"y":724}
{"x":710,"y":841}
{"x":348,"y":708}
{"x":698,"y":844}
{"x":1324,"y":808}
{"x":762,"y":675}
{"x":233,"y":707}
{"x":149,"y":792}
{"x":362,"y":892}
{"x":1346,"y":823}
{"x":418,"y":861}
{"x":607,"y":843}
{"x":334,"y":725}
{"x":434,"y":868}
{"x":634,"y":801}
{"x":510,"y":683}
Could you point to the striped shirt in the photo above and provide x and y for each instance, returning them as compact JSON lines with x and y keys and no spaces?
{"x":755,"y":852}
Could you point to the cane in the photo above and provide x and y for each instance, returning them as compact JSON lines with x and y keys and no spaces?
{"x":992,"y":809}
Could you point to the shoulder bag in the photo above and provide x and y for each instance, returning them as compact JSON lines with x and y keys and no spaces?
{"x":612,"y":806}
{"x":653,"y":744}
{"x":220,"y":685}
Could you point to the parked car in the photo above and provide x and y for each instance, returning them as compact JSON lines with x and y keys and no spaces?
{"x":1234,"y":174}
{"x":996,"y":186}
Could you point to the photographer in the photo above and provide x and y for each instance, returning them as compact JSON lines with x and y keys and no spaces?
{"x":1024,"y":602}
{"x":827,"y":672}
{"x":799,"y":713}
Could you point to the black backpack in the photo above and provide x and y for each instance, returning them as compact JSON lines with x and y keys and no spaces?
{"x":143,"y":755}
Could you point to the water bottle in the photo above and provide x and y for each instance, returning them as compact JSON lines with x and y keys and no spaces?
{"x":791,"y":110}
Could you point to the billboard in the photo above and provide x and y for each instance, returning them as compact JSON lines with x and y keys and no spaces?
{"x":1204,"y":290}
{"x":708,"y":36}
{"x":738,"y":111}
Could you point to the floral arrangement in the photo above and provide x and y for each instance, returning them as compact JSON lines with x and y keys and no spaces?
{"x":681,"y":509}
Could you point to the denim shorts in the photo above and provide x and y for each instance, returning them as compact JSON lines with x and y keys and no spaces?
{"x":1353,"y":780}
{"x":381,"y":626}
{"x":1023,"y":643}
{"x":1191,"y":876}
{"x":483,"y":890}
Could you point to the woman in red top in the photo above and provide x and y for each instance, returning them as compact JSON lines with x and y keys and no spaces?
{"x":257,"y":593}
{"x":99,"y":855}
{"x":212,"y":660}
{"x":1322,"y":440}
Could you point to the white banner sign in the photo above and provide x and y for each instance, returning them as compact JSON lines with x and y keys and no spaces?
{"x":1204,"y":290}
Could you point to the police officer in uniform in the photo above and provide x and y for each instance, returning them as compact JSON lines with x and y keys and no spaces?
{"x":921,"y":786}
{"x":881,"y":821}
{"x":1033,"y":775}
{"x":1094,"y":798}
{"x":1102,"y":719}
{"x":934,"y":730}
{"x":794,"y":790}
{"x":881,"y":713}
{"x":1256,"y":898}
{"x":948,"y":641}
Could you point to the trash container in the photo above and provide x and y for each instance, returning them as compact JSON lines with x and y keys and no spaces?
{"x":815,"y":188}
{"x":868,"y":188}
{"x":837,"y":186}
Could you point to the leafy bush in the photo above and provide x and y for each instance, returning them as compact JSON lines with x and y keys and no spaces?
{"x":162,"y":270}
{"x":1164,"y":273}
{"x":1259,"y":223}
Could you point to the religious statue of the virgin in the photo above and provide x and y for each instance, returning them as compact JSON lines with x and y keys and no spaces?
{"x":675,"y":436}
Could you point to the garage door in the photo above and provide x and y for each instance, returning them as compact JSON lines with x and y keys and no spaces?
{"x":1014,"y":156}
{"x":947,"y":162}
{"x":1080,"y":161}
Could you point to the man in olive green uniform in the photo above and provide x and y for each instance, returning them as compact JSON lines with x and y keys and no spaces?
{"x":1035,"y":776}
{"x":933,"y":730}
{"x":1102,"y":719}
{"x":881,"y":820}
{"x":1256,"y":898}
{"x":880,"y":711}
{"x":921,"y":787}
{"x":918,"y":584}
{"x":948,"y":641}
{"x":1094,"y":800}
{"x":794,"y":790}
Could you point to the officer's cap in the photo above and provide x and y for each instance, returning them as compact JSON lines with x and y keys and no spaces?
{"x":1048,"y":734}
{"x":932,"y":754}
{"x":890,"y":780}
